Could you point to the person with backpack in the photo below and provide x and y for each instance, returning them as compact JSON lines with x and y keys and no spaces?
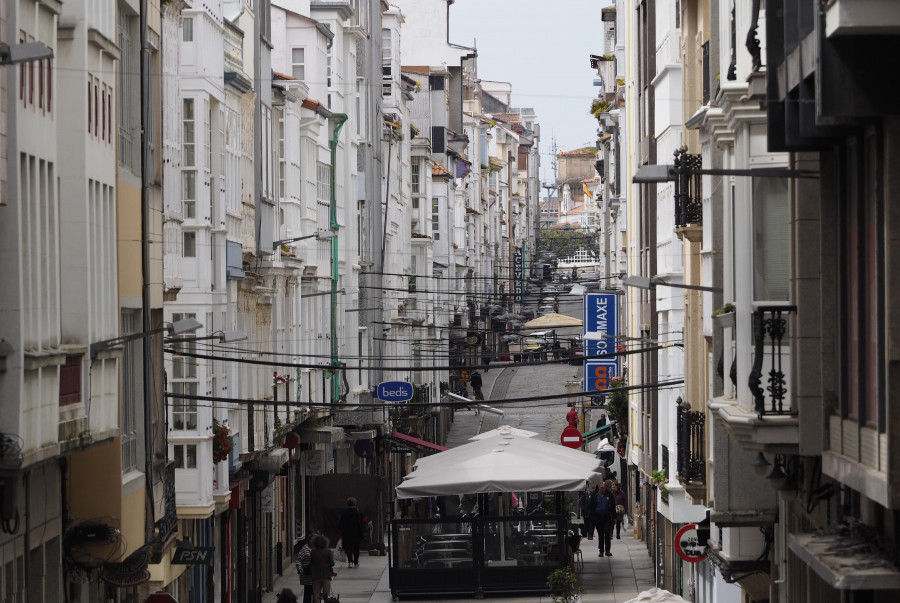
{"x":321,"y":568}
{"x":604,"y":518}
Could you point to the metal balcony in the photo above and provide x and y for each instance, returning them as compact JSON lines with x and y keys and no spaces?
{"x":688,"y":189}
{"x":691,"y":453}
{"x":769,"y":331}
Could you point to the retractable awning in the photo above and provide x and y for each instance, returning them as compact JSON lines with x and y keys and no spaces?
{"x":408,"y":439}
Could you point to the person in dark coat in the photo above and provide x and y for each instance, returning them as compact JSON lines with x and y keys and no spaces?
{"x":322,"y":568}
{"x":587,"y":512}
{"x":619,"y":497}
{"x":604,"y":516}
{"x":476,"y":382}
{"x":351,"y":529}
{"x":486,"y":357}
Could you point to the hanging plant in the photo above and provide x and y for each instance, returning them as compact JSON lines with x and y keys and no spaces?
{"x":222,"y":446}
{"x":659,"y":479}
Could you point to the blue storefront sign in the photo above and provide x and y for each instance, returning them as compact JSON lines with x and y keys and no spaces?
{"x":598,"y":374}
{"x":601,"y":336}
{"x":394,"y":391}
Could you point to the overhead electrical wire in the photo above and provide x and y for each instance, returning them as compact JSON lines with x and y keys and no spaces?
{"x":395,"y":405}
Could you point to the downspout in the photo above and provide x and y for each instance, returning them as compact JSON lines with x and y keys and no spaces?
{"x":146,"y":326}
{"x":337,"y":120}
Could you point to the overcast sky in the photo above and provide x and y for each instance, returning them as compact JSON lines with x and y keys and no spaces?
{"x":543,"y":49}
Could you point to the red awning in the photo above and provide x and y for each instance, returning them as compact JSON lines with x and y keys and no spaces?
{"x":418,"y":442}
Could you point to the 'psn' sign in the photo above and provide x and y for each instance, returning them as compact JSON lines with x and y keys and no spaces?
{"x":394,"y":391}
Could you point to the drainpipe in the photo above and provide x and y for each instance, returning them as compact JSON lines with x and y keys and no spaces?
{"x":146,"y":325}
{"x":337,"y":120}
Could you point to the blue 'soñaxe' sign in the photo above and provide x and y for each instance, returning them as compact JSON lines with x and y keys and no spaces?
{"x":394,"y":391}
{"x":601,"y":316}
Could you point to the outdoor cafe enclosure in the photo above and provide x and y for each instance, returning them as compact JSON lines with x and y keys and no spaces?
{"x":503,"y":523}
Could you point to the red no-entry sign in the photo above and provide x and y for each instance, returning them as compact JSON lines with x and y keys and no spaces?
{"x":571,"y":437}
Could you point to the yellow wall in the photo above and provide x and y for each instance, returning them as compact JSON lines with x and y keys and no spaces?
{"x":128,"y":208}
{"x":133,"y":511}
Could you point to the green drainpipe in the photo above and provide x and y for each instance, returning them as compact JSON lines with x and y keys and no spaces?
{"x":338,"y":120}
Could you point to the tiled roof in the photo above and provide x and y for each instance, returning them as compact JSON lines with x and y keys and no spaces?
{"x":422,"y":69}
{"x":311,"y":104}
{"x":283,"y":76}
{"x":439,"y":170}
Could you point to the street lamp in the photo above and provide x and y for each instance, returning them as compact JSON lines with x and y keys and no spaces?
{"x":650,"y":174}
{"x":12,"y":54}
{"x":319,"y":235}
{"x":188,"y":325}
{"x":222,"y":336}
{"x":651,"y":282}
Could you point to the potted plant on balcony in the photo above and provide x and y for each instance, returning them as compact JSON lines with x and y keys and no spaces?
{"x":725,"y":315}
{"x":222,"y":446}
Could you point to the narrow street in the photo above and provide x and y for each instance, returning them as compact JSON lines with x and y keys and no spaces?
{"x":604,"y":579}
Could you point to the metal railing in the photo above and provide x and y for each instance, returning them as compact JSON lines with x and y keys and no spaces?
{"x":688,"y":188}
{"x":769,"y":330}
{"x":691,"y":452}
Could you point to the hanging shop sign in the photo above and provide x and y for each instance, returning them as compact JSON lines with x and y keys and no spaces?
{"x":193,"y":555}
{"x":394,"y":391}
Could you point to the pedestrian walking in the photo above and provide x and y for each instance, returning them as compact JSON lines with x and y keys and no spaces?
{"x":303,"y":566}
{"x":321,"y":568}
{"x":475,"y":380}
{"x":572,"y":417}
{"x":351,"y":529}
{"x":619,"y":497}
{"x":604,"y":516}
{"x":587,"y":513}
{"x":486,"y":357}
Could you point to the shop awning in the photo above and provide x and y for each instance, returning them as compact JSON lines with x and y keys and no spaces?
{"x":407,"y":439}
{"x":845,"y":562}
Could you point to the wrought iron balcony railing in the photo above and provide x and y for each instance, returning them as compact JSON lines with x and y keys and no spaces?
{"x":691,"y":451}
{"x":688,"y":189}
{"x":769,"y":331}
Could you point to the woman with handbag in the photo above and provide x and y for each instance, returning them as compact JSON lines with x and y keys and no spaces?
{"x":619,"y":497}
{"x":303,"y":567}
{"x":321,"y":568}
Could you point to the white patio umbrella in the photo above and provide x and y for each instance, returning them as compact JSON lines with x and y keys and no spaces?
{"x":501,"y":463}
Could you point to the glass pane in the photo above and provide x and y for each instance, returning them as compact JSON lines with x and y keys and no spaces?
{"x":187,"y":30}
{"x":188,"y":110}
{"x":190,"y":185}
{"x":771,"y":240}
{"x":297,"y":55}
{"x":179,"y":457}
{"x":191,"y":456}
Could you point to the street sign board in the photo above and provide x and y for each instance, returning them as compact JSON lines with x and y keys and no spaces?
{"x":394,"y":391}
{"x":191,"y":555}
{"x":688,"y":545}
{"x":598,"y":373}
{"x":571,"y":437}
{"x":601,"y":311}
